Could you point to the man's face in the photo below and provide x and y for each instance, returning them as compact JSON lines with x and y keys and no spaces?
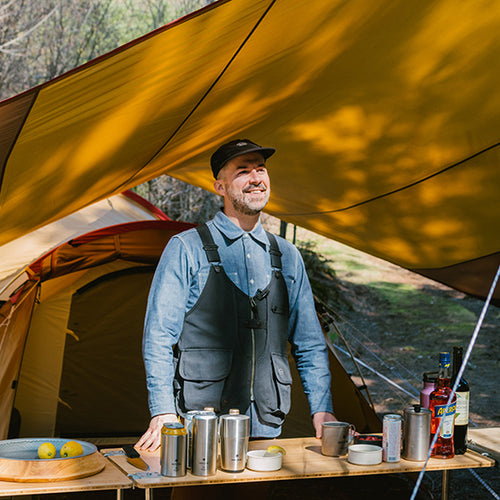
{"x":244,"y":183}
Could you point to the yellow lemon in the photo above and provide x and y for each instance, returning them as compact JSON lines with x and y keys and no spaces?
{"x":276,"y":449}
{"x":71,"y":449}
{"x":46,"y":450}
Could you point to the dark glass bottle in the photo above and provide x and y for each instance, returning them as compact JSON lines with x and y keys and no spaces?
{"x":438,"y":400}
{"x":462,"y":415}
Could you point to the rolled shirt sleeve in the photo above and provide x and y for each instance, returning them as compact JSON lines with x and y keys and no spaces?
{"x":306,"y":337}
{"x":167,"y":302}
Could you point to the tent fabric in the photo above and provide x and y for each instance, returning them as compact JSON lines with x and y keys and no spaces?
{"x":118,"y":209}
{"x":71,"y":341}
{"x":384,"y":117}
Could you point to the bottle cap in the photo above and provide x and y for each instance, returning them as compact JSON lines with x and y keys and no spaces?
{"x":444,"y":359}
{"x":430,"y":377}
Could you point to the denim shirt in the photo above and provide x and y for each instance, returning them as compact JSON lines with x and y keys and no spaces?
{"x":178,"y":282}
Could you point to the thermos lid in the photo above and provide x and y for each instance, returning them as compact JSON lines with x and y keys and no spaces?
{"x":234,"y":424}
{"x":417,"y":411}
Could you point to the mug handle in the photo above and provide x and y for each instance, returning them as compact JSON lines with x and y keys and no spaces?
{"x":352,"y":430}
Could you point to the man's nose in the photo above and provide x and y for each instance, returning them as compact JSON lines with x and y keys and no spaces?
{"x":254,"y":176}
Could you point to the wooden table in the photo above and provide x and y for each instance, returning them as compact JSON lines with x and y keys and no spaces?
{"x":110,"y":478}
{"x":486,"y":442}
{"x":302,"y":460}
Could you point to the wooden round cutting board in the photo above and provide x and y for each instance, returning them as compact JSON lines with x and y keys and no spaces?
{"x":19,"y":461}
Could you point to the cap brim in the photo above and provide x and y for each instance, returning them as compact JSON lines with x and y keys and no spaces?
{"x":265,"y":152}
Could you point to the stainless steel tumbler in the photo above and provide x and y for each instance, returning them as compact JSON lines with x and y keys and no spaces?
{"x":204,"y":445}
{"x":234,"y":433}
{"x":416,"y":433}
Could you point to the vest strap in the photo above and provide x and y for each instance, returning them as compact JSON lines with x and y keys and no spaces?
{"x":274,"y":251}
{"x":208,"y":243}
{"x":213,"y":255}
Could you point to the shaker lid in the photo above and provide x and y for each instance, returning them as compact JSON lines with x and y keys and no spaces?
{"x":417,"y":410}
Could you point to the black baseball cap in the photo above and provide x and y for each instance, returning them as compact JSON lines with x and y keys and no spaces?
{"x":236,"y":148}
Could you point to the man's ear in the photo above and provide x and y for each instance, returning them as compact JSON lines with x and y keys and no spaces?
{"x":219,"y":187}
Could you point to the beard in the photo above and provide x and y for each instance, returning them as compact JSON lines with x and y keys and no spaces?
{"x":247,"y":203}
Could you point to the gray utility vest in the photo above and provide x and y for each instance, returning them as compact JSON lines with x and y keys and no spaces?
{"x":233,"y":348}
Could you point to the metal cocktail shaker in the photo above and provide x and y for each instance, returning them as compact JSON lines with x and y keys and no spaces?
{"x":204,"y":444}
{"x":234,"y":434}
{"x":416,"y":433}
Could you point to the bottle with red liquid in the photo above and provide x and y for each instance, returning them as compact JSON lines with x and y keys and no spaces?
{"x":438,"y":400}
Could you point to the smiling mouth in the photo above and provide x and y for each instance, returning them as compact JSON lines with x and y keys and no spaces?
{"x":255,"y":190}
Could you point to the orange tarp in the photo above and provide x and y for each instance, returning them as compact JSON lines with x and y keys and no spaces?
{"x":384,"y":115}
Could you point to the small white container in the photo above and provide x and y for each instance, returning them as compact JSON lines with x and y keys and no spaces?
{"x":364,"y":454}
{"x":260,"y":460}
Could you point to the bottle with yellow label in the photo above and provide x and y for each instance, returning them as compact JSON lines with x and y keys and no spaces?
{"x":441,"y":411}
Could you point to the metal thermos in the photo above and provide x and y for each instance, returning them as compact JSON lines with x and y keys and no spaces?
{"x":234,"y":430}
{"x":204,"y":445}
{"x":416,"y":433}
{"x":430,"y":379}
{"x":173,"y":450}
{"x":188,"y":422}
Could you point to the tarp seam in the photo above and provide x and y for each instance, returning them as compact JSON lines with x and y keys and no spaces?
{"x":402,"y":188}
{"x":205,"y":95}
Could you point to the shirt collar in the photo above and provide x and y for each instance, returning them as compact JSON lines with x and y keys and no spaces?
{"x":231,"y":231}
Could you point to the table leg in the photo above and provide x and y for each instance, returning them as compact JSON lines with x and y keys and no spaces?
{"x":148,"y":494}
{"x":445,"y":487}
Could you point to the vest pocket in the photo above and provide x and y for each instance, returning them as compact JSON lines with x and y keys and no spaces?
{"x":283,"y":380}
{"x":203,"y":373}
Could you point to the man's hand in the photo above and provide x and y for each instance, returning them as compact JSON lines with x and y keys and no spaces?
{"x":151,"y":439}
{"x":319,"y":418}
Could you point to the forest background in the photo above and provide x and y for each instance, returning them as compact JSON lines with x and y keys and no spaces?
{"x":393,"y":321}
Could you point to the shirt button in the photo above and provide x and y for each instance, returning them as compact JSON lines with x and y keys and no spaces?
{"x":248,"y":255}
{"x":251,"y":281}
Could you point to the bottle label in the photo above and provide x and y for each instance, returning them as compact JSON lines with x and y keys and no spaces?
{"x":448,"y":419}
{"x":462,"y":414}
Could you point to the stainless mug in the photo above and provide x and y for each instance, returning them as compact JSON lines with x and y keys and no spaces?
{"x":336,"y":437}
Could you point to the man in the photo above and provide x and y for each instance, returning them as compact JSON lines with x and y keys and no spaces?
{"x":225,"y":299}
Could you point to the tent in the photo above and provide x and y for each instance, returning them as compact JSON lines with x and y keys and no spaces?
{"x":71,"y":321}
{"x":71,"y":332}
{"x":384,"y":117}
{"x":123,"y":207}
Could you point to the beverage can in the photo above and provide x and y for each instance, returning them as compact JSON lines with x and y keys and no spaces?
{"x":173,"y":449}
{"x":391,"y":438}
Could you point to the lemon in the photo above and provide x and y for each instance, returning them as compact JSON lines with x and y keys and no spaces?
{"x":71,"y":449}
{"x":46,"y":450}
{"x":276,"y":449}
